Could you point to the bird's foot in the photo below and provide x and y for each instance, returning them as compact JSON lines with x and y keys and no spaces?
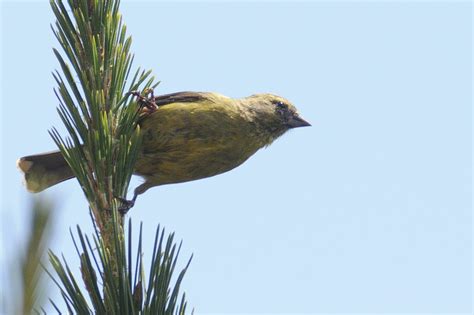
{"x":126,"y":204}
{"x":145,"y":100}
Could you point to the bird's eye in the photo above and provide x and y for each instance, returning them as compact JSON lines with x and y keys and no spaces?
{"x":280,"y":104}
{"x":282,"y":109}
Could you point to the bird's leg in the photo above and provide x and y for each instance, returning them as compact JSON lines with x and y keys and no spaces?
{"x":128,"y":204}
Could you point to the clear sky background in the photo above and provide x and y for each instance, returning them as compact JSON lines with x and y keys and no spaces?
{"x":369,"y":210}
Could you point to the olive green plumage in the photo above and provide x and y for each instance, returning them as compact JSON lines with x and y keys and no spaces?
{"x":190,"y":136}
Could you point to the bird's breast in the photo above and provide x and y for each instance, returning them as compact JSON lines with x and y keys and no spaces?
{"x":183,"y":142}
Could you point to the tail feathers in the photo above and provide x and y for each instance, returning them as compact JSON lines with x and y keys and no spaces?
{"x":42,"y":171}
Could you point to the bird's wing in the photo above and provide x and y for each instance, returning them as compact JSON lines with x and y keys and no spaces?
{"x":180,"y":97}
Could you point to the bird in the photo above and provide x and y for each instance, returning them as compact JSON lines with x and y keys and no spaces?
{"x":189,"y":136}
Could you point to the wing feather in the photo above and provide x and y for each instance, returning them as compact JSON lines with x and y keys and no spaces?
{"x":180,"y":97}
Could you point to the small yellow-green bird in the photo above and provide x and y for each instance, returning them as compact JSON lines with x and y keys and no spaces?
{"x":191,"y":135}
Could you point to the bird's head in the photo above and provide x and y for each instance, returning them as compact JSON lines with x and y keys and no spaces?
{"x":274,"y":114}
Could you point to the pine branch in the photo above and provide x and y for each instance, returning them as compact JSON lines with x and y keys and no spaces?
{"x":126,"y":293}
{"x":101,"y":148}
{"x":100,"y":117}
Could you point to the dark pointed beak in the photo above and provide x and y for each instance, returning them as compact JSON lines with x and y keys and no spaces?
{"x":296,"y":121}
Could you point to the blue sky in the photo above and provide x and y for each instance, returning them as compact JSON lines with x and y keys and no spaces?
{"x":369,"y":210}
